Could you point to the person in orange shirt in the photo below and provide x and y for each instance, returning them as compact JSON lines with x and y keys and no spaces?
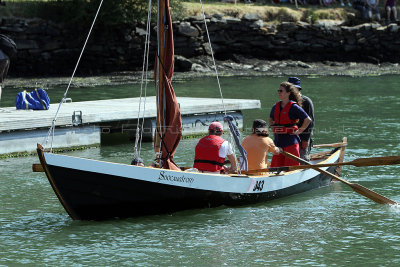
{"x":257,"y":145}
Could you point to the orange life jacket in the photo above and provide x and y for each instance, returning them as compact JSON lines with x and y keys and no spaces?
{"x":207,"y":154}
{"x":283,"y":124}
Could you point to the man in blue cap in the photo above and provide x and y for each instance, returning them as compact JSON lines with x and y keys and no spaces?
{"x":306,"y":136}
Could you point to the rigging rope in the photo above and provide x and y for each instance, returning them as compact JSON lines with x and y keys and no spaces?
{"x":231,"y":137}
{"x":145,"y":69}
{"x":212,"y":55}
{"x":53,"y":124}
{"x":156,"y":77}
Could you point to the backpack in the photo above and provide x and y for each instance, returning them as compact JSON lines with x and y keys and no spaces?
{"x":8,"y":46}
{"x":37,"y":99}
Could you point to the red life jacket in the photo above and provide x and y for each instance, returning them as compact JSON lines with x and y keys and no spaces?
{"x":283,"y":124}
{"x":206,"y":157}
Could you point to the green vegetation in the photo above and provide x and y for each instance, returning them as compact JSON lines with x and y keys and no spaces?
{"x":116,"y":12}
{"x":55,"y":150}
{"x":80,"y":12}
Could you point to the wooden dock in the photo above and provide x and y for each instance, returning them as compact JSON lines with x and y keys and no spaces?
{"x":82,"y":123}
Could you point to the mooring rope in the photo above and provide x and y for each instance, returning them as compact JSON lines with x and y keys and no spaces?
{"x":53,"y":124}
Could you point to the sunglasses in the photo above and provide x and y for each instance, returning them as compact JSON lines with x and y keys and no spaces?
{"x":280,"y":91}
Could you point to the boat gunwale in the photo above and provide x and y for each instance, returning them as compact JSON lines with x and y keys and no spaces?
{"x":211,"y":182}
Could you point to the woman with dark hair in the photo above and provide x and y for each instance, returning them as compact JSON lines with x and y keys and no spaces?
{"x":283,"y":117}
{"x":257,"y":145}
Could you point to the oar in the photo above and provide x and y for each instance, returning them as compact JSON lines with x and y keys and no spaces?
{"x":331,"y":145}
{"x":356,"y":187}
{"x":361,"y":162}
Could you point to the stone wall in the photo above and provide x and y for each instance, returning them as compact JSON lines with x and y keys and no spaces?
{"x":46,"y":48}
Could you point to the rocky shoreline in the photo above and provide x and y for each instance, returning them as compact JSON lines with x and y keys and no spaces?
{"x":247,"y":46}
{"x":225,"y":68}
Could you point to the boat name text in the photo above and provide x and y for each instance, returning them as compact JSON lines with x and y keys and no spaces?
{"x":172,"y":178}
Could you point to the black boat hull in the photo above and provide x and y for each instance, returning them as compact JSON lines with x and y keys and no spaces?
{"x":96,"y":196}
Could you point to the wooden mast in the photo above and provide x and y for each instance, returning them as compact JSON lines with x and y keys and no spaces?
{"x":169,"y":122}
{"x":160,"y":82}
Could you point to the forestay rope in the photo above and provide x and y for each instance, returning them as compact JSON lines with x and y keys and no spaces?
{"x":229,"y":120}
{"x":53,"y":124}
{"x":212,"y":56}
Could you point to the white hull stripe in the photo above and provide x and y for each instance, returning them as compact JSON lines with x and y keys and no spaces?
{"x":203,"y":181}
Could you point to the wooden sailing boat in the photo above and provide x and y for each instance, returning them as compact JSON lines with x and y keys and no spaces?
{"x":91,"y":189}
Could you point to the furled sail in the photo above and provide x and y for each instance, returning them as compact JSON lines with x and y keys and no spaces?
{"x":169,"y":122}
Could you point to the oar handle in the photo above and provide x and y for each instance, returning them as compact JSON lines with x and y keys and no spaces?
{"x":361,"y":162}
{"x":37,"y":167}
{"x":300,"y":167}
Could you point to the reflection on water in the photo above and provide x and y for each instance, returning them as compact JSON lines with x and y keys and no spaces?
{"x":329,"y":226}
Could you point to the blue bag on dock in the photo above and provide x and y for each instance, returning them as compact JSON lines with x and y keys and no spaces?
{"x":37,"y":100}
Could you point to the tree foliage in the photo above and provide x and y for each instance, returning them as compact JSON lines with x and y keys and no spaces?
{"x":82,"y":12}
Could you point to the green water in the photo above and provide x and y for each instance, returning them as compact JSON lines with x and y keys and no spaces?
{"x":329,"y":226}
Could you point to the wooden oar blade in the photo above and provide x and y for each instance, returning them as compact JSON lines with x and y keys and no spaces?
{"x":378,"y":198}
{"x":37,"y":167}
{"x":378,"y":161}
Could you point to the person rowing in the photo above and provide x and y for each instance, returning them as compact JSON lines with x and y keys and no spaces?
{"x":257,"y":146}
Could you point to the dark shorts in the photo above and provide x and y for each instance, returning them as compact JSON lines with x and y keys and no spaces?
{"x":389,"y":3}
